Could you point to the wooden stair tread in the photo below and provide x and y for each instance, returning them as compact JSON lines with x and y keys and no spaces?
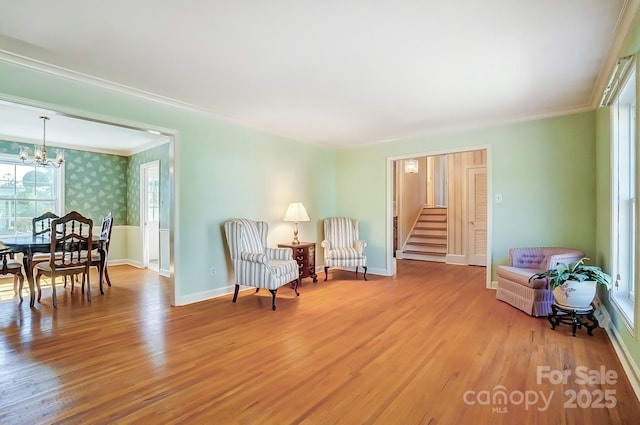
{"x":427,"y":244}
{"x":410,"y":251}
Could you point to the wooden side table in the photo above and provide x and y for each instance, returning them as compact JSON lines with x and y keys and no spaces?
{"x":305,"y":254}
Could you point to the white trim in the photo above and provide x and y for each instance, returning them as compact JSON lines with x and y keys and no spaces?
{"x":390,"y":260}
{"x":41,"y":66}
{"x":143,"y":209}
{"x":456,"y":259}
{"x":370,"y":270}
{"x":626,"y":359}
{"x":622,"y":31}
{"x":150,"y":145}
{"x":60,"y":186}
{"x":69,"y":74}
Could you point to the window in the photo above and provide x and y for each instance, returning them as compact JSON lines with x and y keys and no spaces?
{"x":27,"y":191}
{"x":624,"y":198}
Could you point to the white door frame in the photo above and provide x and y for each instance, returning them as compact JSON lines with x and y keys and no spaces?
{"x":390,"y":260}
{"x":144,"y":171}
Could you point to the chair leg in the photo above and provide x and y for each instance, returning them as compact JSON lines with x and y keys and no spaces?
{"x":326,"y":273}
{"x":38,"y":288}
{"x":106,"y":275}
{"x":235,"y":293}
{"x":86,"y":272}
{"x":365,"y":272}
{"x":53,"y":292}
{"x":273,"y":298}
{"x":101,"y":273}
{"x":15,"y":285}
{"x":21,"y":279}
{"x":295,"y":288}
{"x":356,"y":272}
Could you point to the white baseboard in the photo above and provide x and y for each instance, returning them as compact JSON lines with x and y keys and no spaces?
{"x":133,"y":263}
{"x":206,"y":295}
{"x":628,"y":364}
{"x":370,"y":270}
{"x":137,"y":264}
{"x":456,"y":259}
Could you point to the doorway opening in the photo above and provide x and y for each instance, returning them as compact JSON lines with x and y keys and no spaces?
{"x":150,"y":214}
{"x":439,"y":209}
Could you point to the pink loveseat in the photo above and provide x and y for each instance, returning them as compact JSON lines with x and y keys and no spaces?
{"x":534,"y":298}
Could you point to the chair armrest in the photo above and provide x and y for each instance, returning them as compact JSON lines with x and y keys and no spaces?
{"x":280,"y":254}
{"x":359,"y":245}
{"x":254,"y":257}
{"x":325,"y":244}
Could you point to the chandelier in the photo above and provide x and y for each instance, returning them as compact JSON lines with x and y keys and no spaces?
{"x":40,"y":152}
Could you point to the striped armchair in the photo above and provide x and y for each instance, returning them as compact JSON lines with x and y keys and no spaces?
{"x":342,"y":245}
{"x":256,"y":265}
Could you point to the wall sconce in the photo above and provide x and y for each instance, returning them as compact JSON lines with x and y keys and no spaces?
{"x":411,"y":166}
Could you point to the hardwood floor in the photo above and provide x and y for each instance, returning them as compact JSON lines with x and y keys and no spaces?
{"x":429,"y":346}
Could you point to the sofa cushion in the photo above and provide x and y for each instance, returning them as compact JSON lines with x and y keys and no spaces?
{"x":521,"y":275}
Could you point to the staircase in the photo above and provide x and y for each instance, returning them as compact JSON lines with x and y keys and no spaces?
{"x":428,"y":238}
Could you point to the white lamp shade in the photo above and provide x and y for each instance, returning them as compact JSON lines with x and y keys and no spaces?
{"x":296,"y":213}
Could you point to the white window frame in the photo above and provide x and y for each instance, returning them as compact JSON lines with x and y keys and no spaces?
{"x":624,"y":269}
{"x":59,"y":175}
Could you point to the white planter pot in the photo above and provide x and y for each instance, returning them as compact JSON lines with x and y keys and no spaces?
{"x":575,"y":295}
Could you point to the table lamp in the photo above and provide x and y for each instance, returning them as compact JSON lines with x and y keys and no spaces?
{"x":296,"y":213}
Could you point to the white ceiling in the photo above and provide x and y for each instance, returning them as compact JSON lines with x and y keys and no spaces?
{"x":333,"y":72}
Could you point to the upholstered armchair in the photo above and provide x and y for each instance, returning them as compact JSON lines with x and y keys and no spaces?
{"x":533,"y":297}
{"x":256,"y":265}
{"x":342,"y":245}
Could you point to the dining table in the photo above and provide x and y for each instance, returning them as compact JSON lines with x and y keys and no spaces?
{"x":29,"y":245}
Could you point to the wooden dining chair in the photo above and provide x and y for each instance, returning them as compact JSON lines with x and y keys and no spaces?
{"x":105,"y":239}
{"x":9,"y":265}
{"x":41,"y":225}
{"x":71,"y":236}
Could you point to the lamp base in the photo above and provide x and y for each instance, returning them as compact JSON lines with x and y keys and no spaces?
{"x":295,"y":240}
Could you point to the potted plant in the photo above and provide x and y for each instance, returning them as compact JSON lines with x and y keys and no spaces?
{"x":574,"y":284}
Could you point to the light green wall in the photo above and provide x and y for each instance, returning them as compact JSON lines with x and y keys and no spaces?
{"x":221,"y":171}
{"x":544,"y":170}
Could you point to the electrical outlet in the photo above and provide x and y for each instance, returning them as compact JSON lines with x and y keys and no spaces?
{"x":213,"y":271}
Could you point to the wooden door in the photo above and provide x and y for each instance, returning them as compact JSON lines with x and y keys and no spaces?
{"x":477,"y":216}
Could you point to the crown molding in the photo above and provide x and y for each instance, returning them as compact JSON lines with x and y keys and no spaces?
{"x":37,"y":65}
{"x":627,"y":21}
{"x":69,"y":74}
